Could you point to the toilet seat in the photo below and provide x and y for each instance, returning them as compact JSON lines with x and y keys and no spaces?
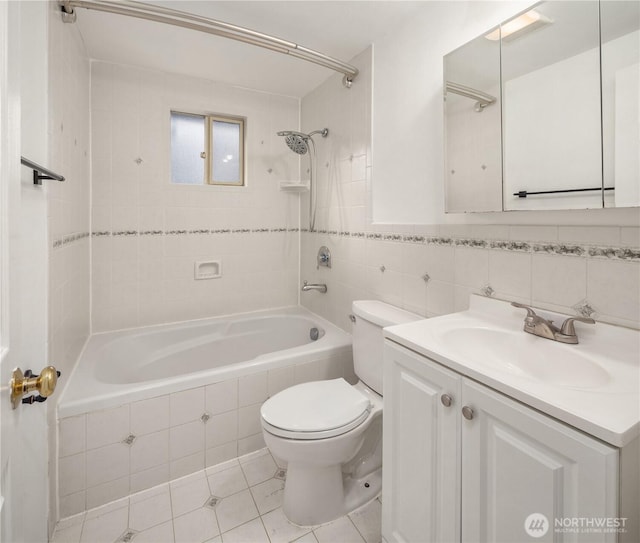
{"x":315,"y":410}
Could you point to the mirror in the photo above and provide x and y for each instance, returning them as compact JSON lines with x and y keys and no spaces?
{"x":550,"y":139}
{"x":620,"y":29}
{"x":472,"y":127}
{"x":551,"y":109}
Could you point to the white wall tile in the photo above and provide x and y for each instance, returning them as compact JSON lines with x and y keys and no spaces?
{"x":439,"y":297}
{"x":221,"y":453}
{"x":613,"y":288}
{"x":249,"y":420}
{"x":71,"y":474}
{"x":471,"y":267}
{"x":186,"y":465}
{"x":186,"y":439}
{"x":72,"y":504}
{"x":252,"y":389}
{"x":149,"y":478}
{"x":150,"y":450}
{"x":533,"y":233}
{"x":510,"y":273}
{"x":279,"y":379}
{"x":251,"y":443}
{"x":148,"y":416}
{"x":187,"y":406}
{"x":107,"y":426}
{"x":630,"y":236}
{"x":107,"y":464}
{"x":559,"y":280}
{"x":593,"y":235}
{"x":72,"y":435}
{"x":440,"y":259}
{"x":221,"y":397}
{"x":221,"y":429}
{"x":107,"y":492}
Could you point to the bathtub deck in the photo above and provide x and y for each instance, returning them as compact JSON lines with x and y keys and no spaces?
{"x":238,"y":500}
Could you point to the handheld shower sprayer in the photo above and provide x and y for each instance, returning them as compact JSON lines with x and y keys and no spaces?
{"x":298,"y":142}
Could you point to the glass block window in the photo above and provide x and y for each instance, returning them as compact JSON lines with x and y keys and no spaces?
{"x":207,"y":149}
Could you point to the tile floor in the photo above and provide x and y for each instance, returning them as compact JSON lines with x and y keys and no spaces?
{"x":235,"y":502}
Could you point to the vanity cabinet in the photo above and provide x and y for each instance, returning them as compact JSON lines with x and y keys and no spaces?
{"x":464,"y":463}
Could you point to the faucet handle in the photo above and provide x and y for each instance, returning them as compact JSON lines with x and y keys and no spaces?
{"x":530,"y":312}
{"x":567,"y":326}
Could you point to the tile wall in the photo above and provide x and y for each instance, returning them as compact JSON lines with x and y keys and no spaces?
{"x":432,"y":270}
{"x":68,"y":211}
{"x":147,"y":233}
{"x":107,"y":454}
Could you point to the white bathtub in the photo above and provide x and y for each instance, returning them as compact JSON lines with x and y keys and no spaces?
{"x":129,"y":365}
{"x":149,"y":405}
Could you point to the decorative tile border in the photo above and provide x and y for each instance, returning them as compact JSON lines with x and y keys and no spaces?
{"x":617,"y":253}
{"x":629,"y":254}
{"x":67,"y":239}
{"x":559,"y":249}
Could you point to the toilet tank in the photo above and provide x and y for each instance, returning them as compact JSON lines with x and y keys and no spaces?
{"x":371,"y":316}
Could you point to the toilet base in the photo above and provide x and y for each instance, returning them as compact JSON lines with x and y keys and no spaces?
{"x":319,"y":495}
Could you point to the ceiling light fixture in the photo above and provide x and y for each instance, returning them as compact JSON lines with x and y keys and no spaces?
{"x":519,"y":26}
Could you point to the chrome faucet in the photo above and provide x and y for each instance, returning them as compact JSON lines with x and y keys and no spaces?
{"x":539,"y":326}
{"x":313,"y":286}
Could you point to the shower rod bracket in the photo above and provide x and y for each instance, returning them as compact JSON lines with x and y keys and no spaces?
{"x":68,"y":13}
{"x":347,"y":81}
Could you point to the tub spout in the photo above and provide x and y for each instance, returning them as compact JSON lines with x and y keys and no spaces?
{"x":314,"y":286}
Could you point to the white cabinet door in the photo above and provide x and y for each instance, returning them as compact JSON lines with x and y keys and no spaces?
{"x":517,"y":462}
{"x":421,"y":470}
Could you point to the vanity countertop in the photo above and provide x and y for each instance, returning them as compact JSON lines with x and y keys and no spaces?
{"x":593,"y":386}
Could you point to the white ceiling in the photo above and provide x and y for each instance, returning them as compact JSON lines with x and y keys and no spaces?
{"x":341,"y":29}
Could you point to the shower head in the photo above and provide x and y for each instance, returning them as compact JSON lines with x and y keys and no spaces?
{"x":298,"y":142}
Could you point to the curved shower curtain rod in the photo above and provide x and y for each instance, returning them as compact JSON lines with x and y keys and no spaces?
{"x":211,"y":26}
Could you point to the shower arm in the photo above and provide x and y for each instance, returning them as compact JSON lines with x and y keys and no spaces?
{"x":211,"y":26}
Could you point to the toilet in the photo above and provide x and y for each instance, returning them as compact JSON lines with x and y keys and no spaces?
{"x":330,"y":432}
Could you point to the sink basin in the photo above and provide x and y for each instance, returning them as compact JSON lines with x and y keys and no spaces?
{"x":524,"y":355}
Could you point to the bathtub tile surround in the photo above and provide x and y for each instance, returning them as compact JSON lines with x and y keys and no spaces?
{"x":237,"y":500}
{"x":147,"y":233}
{"x":107,"y":454}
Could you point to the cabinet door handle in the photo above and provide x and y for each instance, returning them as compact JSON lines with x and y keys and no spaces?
{"x":446,"y":400}
{"x":467,"y":412}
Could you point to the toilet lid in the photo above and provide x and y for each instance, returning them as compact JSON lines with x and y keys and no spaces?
{"x":318,"y":406}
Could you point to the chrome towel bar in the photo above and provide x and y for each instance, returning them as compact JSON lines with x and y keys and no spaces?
{"x":40,"y":172}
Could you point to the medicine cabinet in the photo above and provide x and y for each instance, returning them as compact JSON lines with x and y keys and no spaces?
{"x":542,"y":112}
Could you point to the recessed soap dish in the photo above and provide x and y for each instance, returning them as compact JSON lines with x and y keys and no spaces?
{"x":293,"y":186}
{"x":207,"y":269}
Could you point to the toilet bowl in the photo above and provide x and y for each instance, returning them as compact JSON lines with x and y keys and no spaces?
{"x":330,"y":432}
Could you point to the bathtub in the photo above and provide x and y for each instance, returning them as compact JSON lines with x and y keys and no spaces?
{"x":147,"y":405}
